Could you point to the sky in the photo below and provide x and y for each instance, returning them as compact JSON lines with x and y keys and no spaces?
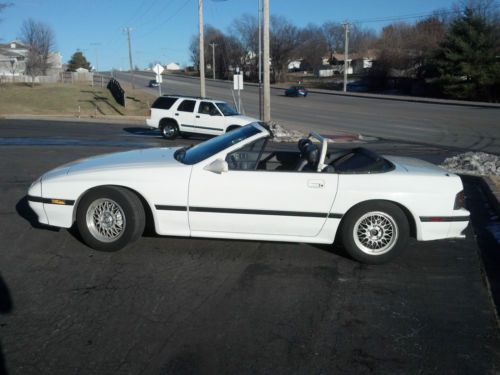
{"x":161,"y":30}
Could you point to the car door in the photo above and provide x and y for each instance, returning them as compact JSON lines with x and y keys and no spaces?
{"x":281,"y":203}
{"x":209,"y":119}
{"x":184,"y":115}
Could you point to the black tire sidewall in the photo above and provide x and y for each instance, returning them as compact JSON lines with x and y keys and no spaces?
{"x":347,"y":227}
{"x":132,"y":210}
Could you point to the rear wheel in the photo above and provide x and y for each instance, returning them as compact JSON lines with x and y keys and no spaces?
{"x":109,"y":218}
{"x":375,"y":232}
{"x":169,"y":129}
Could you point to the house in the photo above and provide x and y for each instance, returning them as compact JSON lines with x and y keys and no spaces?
{"x":173,"y":66}
{"x":13,"y":57}
{"x":294,"y":65}
{"x":357,"y":62}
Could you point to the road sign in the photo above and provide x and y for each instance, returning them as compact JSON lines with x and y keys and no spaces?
{"x":159,"y":78}
{"x":238,"y":81}
{"x":158,"y":69}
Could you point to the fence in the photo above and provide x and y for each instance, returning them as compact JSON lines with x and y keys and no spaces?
{"x":93,"y":79}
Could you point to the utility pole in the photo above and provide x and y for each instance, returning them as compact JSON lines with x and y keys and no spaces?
{"x":201,"y":49}
{"x":260,"y":58}
{"x":346,"y":54}
{"x":213,"y":59}
{"x":96,"y":45}
{"x":128,"y":30}
{"x":267,"y":78}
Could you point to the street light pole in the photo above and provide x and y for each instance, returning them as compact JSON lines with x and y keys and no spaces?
{"x":201,"y":49}
{"x":260,"y":58}
{"x":346,"y":54}
{"x":267,"y":79}
{"x":128,"y":29}
{"x":213,"y":59}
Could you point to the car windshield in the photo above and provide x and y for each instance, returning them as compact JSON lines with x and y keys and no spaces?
{"x":202,"y":151}
{"x":226,"y":109}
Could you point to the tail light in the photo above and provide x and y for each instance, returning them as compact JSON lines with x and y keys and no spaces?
{"x":459,"y":201}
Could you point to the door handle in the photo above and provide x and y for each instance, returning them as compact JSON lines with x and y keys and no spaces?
{"x":197,"y":116}
{"x":317,"y":184}
{"x":177,"y":114}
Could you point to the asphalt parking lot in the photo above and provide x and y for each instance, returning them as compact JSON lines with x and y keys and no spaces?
{"x":196,"y":306}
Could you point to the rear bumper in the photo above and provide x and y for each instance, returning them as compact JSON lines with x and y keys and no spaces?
{"x":151,"y":123}
{"x":442,"y":227}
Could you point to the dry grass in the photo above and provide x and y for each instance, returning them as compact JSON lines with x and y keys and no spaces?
{"x":71,"y":100}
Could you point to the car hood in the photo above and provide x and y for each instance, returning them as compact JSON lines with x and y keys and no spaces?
{"x":120,"y":160}
{"x":417,"y":166}
{"x":241,"y":119}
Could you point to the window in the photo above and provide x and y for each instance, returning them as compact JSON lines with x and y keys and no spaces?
{"x":226,"y":109}
{"x":208,"y":108}
{"x":164,"y":102}
{"x":209,"y":148}
{"x":187,"y":106}
{"x":247,"y":157}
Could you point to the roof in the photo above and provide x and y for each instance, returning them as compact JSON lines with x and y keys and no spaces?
{"x":18,"y":44}
{"x":9,"y":52}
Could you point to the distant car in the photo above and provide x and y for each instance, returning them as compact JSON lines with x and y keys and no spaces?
{"x":296,"y":91}
{"x":237,"y":186}
{"x":153,"y":83}
{"x":180,"y":115}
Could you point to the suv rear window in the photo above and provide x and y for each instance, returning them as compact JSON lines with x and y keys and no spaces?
{"x":164,"y":102}
{"x":187,"y":106}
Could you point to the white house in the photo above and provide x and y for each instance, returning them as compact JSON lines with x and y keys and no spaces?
{"x":173,"y":66}
{"x":13,"y":57}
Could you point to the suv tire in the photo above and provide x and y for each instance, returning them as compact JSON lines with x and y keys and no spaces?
{"x":169,"y":129}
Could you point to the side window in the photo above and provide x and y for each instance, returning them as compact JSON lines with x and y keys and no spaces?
{"x":163,"y":102}
{"x":247,"y":157}
{"x":187,"y":106}
{"x":208,"y":108}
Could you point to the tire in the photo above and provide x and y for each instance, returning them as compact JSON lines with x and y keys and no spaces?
{"x":232,"y":127}
{"x":169,"y":129}
{"x":375,"y":232}
{"x":121,"y":207}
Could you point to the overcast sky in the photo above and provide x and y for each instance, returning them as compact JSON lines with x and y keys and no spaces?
{"x":162,"y":29}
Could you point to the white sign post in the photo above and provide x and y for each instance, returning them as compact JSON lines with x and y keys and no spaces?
{"x":158,"y":69}
{"x":238,"y":86}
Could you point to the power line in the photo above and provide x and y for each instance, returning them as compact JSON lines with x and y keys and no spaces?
{"x":162,"y":23}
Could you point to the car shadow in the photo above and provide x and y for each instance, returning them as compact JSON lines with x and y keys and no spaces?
{"x":154,"y":133}
{"x":6,"y":306}
{"x":24,"y":210}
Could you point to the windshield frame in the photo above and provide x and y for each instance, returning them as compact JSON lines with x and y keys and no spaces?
{"x":224,"y":142}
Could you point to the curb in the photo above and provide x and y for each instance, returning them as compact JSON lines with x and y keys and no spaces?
{"x":111,"y":119}
{"x":492,"y":192}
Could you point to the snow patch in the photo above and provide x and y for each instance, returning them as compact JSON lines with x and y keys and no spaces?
{"x":475,"y":163}
{"x":281,"y":134}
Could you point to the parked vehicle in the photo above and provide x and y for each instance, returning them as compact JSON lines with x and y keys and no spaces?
{"x":153,"y":83}
{"x":232,"y":186}
{"x":175,"y":115}
{"x":296,"y":91}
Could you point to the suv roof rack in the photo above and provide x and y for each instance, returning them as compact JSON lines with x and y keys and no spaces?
{"x":188,"y":96}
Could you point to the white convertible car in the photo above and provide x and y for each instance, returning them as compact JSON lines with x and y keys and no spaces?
{"x":233,"y":186}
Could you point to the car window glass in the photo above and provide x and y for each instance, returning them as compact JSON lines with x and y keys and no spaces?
{"x":164,"y":103}
{"x":206,"y":149}
{"x":247,"y":157}
{"x":226,"y":109}
{"x":208,"y":108}
{"x":187,"y":106}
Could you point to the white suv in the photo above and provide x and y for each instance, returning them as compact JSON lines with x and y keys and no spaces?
{"x":175,"y":115}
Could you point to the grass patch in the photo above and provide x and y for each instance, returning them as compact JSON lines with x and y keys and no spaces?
{"x":71,"y":100}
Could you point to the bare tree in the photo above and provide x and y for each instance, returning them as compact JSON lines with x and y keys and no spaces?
{"x":284,"y":37}
{"x":39,"y":39}
{"x":246,"y":30}
{"x":312,"y":47}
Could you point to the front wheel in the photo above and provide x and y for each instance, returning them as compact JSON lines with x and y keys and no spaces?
{"x":109,"y":218}
{"x":375,"y":232}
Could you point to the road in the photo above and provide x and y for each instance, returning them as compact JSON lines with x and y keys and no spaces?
{"x":459,"y":127}
{"x":193,"y":306}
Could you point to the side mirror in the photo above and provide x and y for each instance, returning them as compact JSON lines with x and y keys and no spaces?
{"x":217,"y":166}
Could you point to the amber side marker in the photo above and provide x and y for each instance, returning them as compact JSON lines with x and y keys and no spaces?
{"x":58,"y":201}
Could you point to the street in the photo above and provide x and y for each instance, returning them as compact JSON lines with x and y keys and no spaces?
{"x":458,"y":127}
{"x":194,"y":306}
